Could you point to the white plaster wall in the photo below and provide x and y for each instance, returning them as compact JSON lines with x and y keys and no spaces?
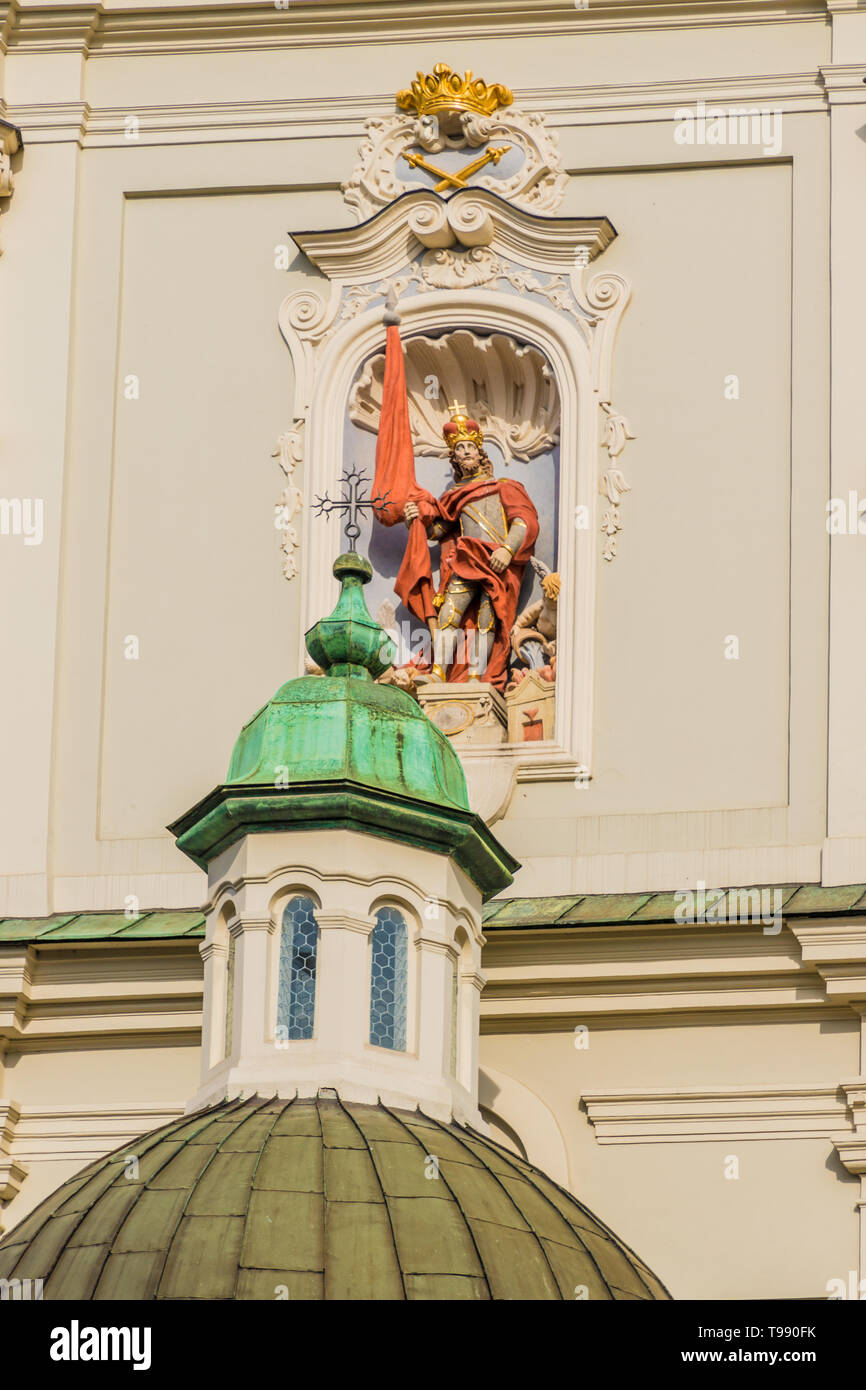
{"x":159,"y":263}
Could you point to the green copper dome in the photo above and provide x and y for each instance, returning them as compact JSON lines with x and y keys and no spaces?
{"x":317,"y":1199}
{"x":344,"y":725}
{"x":341,"y":750}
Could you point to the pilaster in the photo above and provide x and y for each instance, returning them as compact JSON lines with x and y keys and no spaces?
{"x":844,"y":859}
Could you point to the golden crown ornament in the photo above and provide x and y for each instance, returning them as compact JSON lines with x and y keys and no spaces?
{"x":460,"y":428}
{"x":446,"y":95}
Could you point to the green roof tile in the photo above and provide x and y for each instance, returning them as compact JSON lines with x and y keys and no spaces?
{"x":569,"y":910}
{"x":224,"y":1189}
{"x":102,"y":926}
{"x":445,"y":1288}
{"x":339,"y":1130}
{"x":538,"y":1213}
{"x":228,"y":1205}
{"x":90,"y":926}
{"x":351,"y":1177}
{"x":604,"y":907}
{"x":432,"y":1237}
{"x":659,"y":907}
{"x":184,"y":1169}
{"x":77,"y":1270}
{"x":812,"y":898}
{"x":284,"y":1230}
{"x":162,"y":925}
{"x":609,"y":908}
{"x":86,"y":1195}
{"x":106,"y":1214}
{"x":270,"y":1284}
{"x":9,"y":1257}
{"x":516,"y":1265}
{"x":360,"y":1258}
{"x":302,"y":1117}
{"x":30,"y":928}
{"x":291,"y":1163}
{"x":479,"y":1198}
{"x":151,"y":1222}
{"x":210,"y":1245}
{"x":618,"y":1267}
{"x":133,"y":1276}
{"x":402,"y":1175}
{"x":531,"y":912}
{"x":376,"y":1123}
{"x":573,"y":1270}
{"x":41,"y":1254}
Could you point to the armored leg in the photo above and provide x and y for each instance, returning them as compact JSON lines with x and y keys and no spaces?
{"x":482,"y":640}
{"x":457,"y":598}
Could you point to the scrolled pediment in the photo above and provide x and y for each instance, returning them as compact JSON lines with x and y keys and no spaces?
{"x":422,"y":220}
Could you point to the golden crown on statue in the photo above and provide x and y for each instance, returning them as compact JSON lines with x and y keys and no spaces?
{"x":444,"y":93}
{"x":460,"y":429}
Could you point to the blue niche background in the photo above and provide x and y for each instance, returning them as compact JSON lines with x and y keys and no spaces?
{"x":385,"y":544}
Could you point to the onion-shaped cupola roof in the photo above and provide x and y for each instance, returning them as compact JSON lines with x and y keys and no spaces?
{"x":341,"y":749}
{"x":316,"y":1199}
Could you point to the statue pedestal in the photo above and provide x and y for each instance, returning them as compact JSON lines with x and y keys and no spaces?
{"x":531,"y":709}
{"x":470,"y":713}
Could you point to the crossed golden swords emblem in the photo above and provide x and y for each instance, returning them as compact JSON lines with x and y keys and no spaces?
{"x":457,"y":180}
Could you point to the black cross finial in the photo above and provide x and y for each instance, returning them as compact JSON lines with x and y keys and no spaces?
{"x":351,"y":504}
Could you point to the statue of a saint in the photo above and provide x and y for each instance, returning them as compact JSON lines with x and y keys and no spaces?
{"x":487,"y":528}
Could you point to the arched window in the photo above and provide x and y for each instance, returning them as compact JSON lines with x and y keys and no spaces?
{"x":388,"y":971}
{"x":296,"y":996}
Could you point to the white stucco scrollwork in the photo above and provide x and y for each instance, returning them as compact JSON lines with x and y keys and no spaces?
{"x":538,"y":184}
{"x":289,"y":451}
{"x":616,"y":434}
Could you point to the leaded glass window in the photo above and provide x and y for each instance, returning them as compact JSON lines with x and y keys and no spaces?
{"x":296,"y":996}
{"x":388,"y":972}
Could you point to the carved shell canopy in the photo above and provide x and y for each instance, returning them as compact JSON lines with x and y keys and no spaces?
{"x":506,"y":386}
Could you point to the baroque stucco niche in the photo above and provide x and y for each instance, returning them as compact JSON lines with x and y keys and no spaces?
{"x":539,"y":287}
{"x":507,"y":386}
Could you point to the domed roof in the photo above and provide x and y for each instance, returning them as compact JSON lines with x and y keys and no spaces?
{"x":318,"y":1199}
{"x":339,"y":748}
{"x":343,"y":725}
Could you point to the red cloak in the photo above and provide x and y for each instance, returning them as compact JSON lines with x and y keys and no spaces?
{"x":469,"y":558}
{"x":394,"y":480}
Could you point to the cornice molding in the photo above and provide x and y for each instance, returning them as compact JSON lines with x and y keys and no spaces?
{"x":837,"y":951}
{"x":728,"y":1114}
{"x":52,"y":998}
{"x":52,"y":122}
{"x":163,"y":28}
{"x":338,"y":117}
{"x":12,"y":1171}
{"x":51,"y":29}
{"x":845,"y":83}
{"x":636,"y":971}
{"x":82,"y":1133}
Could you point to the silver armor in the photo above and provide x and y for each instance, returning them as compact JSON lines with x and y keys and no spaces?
{"x":483,"y":519}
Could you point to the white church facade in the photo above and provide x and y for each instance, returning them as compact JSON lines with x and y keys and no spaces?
{"x":614,"y":256}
